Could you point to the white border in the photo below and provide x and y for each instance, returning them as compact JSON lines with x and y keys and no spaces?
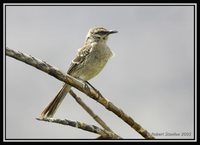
{"x":111,"y":4}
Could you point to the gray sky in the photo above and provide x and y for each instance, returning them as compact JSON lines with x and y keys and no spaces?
{"x":150,"y":78}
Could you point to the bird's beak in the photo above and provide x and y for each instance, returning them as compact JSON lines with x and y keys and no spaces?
{"x":112,"y":32}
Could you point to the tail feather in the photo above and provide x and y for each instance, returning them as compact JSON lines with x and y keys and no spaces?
{"x":52,"y":107}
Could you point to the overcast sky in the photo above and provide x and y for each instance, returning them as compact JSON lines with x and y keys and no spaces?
{"x":150,"y":78}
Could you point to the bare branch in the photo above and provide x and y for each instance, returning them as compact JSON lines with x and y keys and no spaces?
{"x":90,"y":128}
{"x":91,"y":113}
{"x":83,"y":87}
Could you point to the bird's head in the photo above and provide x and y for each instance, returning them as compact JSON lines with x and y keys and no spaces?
{"x":99,"y":34}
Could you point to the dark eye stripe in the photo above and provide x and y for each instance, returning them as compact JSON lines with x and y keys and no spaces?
{"x":102,"y":32}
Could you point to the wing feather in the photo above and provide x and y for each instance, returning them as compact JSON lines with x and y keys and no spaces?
{"x":80,"y":57}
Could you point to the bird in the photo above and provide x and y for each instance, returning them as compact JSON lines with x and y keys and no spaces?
{"x":88,"y":63}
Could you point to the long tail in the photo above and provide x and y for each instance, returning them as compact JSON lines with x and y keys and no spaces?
{"x":50,"y":110}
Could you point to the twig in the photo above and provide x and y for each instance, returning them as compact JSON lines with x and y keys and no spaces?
{"x":90,"y":128}
{"x":86,"y":108}
{"x":83,"y":87}
{"x":90,"y":112}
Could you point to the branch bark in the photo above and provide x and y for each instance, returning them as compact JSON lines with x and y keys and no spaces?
{"x":90,"y":128}
{"x":83,"y":87}
{"x":89,"y":111}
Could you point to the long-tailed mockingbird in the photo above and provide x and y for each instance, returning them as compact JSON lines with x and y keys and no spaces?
{"x":89,"y":61}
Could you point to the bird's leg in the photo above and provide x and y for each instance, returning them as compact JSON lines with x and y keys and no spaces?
{"x":86,"y":82}
{"x":90,"y":85}
{"x":99,"y":94}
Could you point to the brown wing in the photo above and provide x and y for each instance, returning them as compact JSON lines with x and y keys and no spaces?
{"x":80,"y":57}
